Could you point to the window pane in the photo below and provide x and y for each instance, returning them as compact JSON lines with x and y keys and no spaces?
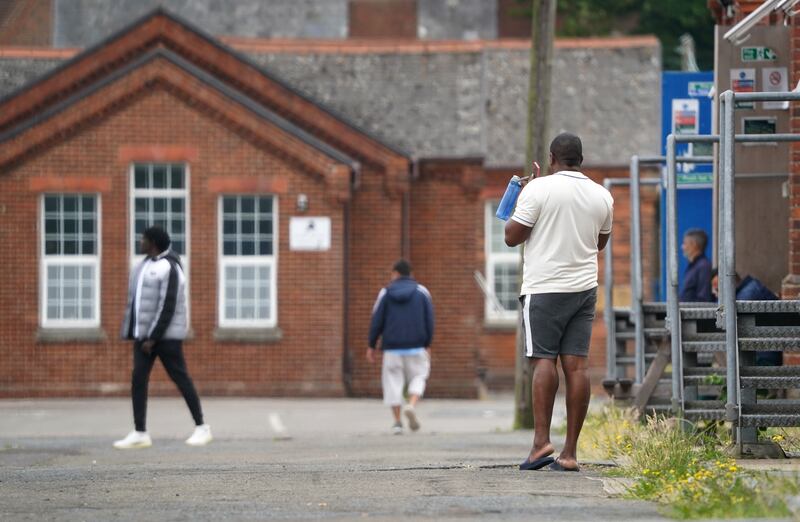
{"x":229,"y":205}
{"x":229,"y":227}
{"x":140,"y":176}
{"x":159,"y":176}
{"x":52,"y":226}
{"x":505,"y":285}
{"x":51,"y":204}
{"x":177,"y":176}
{"x":265,"y":248}
{"x":142,"y":205}
{"x":265,"y":205}
{"x":70,"y":204}
{"x":248,"y":248}
{"x":248,"y":226}
{"x":248,"y":205}
{"x":70,"y":225}
{"x":70,"y":292}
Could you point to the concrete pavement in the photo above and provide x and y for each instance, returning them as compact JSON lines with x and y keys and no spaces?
{"x":341,"y":463}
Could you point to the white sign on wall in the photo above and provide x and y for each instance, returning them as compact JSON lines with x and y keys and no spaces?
{"x":310,"y":234}
{"x":775,"y":79}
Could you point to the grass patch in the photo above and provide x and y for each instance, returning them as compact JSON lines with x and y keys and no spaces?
{"x":685,"y":468}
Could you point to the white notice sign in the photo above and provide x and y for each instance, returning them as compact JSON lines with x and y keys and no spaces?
{"x":775,"y":79}
{"x":310,"y":234}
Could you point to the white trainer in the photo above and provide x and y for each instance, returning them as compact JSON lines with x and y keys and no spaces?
{"x":201,"y":436}
{"x":134,"y":440}
{"x":397,"y":429}
{"x":411,"y":416}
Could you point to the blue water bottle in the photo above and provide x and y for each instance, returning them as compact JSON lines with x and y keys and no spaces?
{"x":509,"y":200}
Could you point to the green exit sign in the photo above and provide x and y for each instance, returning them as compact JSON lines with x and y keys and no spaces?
{"x":758,"y":54}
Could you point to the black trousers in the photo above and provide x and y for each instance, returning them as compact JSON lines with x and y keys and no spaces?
{"x":171,"y":354}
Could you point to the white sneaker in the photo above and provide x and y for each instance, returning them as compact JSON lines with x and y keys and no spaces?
{"x":397,"y":429}
{"x":411,"y":416}
{"x":201,"y":436}
{"x":134,"y":440}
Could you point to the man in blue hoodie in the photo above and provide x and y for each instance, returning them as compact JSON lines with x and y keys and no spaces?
{"x":403,"y":317}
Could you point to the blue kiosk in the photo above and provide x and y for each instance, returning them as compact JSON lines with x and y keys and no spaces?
{"x":687,"y":109}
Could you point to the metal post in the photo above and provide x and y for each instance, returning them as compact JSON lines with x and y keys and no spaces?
{"x":720,"y":208}
{"x":673,"y":308}
{"x":608,"y":307}
{"x":637,"y":312}
{"x":728,"y":259}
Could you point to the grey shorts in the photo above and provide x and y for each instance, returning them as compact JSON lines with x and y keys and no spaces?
{"x":558,"y":324}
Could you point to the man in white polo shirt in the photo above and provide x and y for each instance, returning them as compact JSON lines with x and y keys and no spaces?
{"x":564,"y":220}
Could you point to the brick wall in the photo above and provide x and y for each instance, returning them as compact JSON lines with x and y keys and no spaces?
{"x":310,"y":285}
{"x":26,"y":22}
{"x":791,"y":283}
{"x":382,"y":18}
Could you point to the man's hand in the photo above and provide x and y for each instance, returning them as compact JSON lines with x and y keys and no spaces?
{"x":147,"y":346}
{"x":371,"y":355}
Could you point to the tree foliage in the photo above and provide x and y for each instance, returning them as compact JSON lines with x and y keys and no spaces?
{"x":667,"y":20}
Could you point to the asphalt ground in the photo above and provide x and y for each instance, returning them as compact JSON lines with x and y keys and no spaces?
{"x":286,"y":459}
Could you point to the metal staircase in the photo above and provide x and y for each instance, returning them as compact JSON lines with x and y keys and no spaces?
{"x":762,"y":326}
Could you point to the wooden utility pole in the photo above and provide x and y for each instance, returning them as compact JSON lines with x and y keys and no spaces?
{"x":543,"y":20}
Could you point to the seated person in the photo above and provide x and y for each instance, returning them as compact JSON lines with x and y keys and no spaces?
{"x":751,"y":289}
{"x":696,"y":286}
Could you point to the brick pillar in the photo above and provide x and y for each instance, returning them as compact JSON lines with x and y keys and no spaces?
{"x":790,"y":289}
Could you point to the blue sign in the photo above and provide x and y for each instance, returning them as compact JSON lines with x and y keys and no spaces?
{"x":686,"y":109}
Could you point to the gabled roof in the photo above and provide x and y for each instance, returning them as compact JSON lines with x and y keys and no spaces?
{"x":203,"y":57}
{"x":162,"y":68}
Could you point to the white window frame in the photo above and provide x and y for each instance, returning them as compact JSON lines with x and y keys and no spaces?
{"x":493,"y":259}
{"x":46,"y":261}
{"x":224,"y":261}
{"x":185,"y":192}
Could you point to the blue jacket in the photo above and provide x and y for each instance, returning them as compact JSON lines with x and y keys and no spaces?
{"x":751,"y":289}
{"x":403,"y":316}
{"x":696,"y":287}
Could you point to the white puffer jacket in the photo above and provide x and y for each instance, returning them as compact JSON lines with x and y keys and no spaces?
{"x":159,"y":309}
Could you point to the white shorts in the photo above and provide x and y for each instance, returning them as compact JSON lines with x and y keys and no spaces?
{"x":401,"y":369}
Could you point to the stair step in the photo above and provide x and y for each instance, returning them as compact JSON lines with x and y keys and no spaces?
{"x":622,"y":313}
{"x":772,"y":406}
{"x":704,"y":336}
{"x":770,"y":383}
{"x":705,"y":358}
{"x":770,"y":332}
{"x":769,"y":371}
{"x":699,"y":370}
{"x":704,"y":405}
{"x":654,"y":308}
{"x":630,"y":359}
{"x":703,"y":346}
{"x":701,"y":380}
{"x":698,"y":313}
{"x":769,"y":420}
{"x":747,"y":344}
{"x":709,"y":414}
{"x":772,"y":307}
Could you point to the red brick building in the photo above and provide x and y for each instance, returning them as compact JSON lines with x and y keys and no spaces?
{"x":163,"y":123}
